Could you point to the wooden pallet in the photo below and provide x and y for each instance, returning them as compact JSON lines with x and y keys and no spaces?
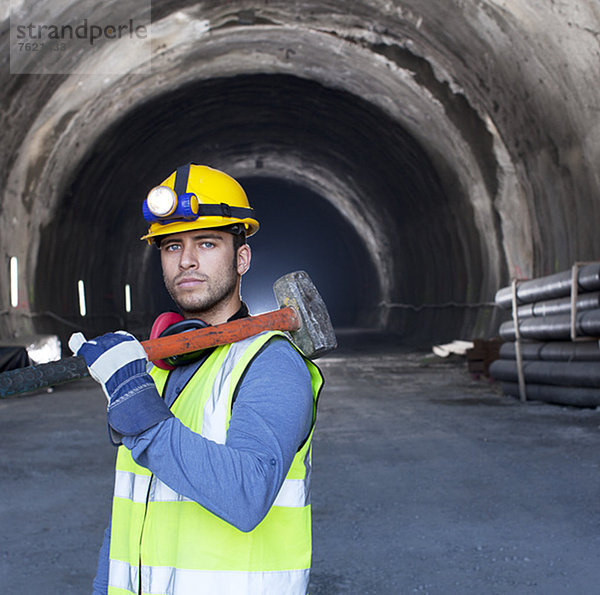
{"x":483,"y":353}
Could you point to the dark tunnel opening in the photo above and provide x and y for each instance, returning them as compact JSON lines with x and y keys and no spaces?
{"x":426,"y":246}
{"x":303,"y":231}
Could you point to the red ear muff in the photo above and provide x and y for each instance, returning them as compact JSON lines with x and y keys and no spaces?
{"x":163,"y":322}
{"x":188,"y":324}
{"x":171,"y":323}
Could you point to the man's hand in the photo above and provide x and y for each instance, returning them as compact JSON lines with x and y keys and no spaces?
{"x":113,"y":360}
{"x":117,"y":361}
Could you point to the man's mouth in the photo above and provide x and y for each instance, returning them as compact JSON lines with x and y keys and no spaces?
{"x":188,"y":282}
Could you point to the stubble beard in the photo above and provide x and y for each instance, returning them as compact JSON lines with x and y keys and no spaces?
{"x":213,"y":292}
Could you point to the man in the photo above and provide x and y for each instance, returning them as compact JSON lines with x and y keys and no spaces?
{"x":212,"y":480}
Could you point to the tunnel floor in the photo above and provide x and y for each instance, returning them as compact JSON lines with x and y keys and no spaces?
{"x":425,"y":481}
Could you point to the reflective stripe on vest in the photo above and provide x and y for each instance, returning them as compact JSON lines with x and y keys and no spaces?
{"x":170,"y":545}
{"x":293,"y":492}
{"x":201,"y":582}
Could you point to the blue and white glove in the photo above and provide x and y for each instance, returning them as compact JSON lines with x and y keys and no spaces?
{"x":117,"y":361}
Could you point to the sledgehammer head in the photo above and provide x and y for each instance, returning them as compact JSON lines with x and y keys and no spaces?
{"x":315,"y":337}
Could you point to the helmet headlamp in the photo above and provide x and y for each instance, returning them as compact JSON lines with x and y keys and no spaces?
{"x":163,"y":205}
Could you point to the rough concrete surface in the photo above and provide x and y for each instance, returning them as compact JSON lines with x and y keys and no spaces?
{"x":456,"y":137}
{"x":425,"y":481}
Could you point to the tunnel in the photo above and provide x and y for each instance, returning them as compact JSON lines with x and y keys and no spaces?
{"x":412,"y":157}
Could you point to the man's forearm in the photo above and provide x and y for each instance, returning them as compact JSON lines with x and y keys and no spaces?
{"x":238,"y":485}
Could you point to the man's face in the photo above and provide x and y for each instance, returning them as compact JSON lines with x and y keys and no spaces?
{"x":200,"y":271}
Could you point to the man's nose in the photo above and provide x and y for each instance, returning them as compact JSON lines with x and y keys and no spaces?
{"x":188,"y":258}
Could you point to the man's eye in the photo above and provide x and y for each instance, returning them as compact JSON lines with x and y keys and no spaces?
{"x":172,"y":247}
{"x":207,"y":244}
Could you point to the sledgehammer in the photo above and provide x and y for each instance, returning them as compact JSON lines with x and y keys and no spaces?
{"x":302,"y":313}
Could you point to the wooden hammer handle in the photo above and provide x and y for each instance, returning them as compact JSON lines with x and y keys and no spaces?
{"x":284,"y":319}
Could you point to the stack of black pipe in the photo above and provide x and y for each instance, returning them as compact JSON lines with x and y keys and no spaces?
{"x":556,"y":368}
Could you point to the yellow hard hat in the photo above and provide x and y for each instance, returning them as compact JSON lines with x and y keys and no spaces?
{"x":197,"y":197}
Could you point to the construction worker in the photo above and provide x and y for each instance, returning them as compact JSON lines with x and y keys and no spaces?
{"x":213,"y":469}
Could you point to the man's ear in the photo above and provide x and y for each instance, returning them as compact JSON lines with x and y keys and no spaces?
{"x":244,"y":256}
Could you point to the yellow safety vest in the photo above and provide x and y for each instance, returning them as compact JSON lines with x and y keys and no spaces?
{"x":163,"y":543}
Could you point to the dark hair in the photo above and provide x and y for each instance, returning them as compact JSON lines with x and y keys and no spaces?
{"x":239,"y":239}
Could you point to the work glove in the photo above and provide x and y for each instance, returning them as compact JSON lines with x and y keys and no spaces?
{"x":117,"y":361}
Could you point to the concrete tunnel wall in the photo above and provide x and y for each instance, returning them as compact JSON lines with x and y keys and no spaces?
{"x":452,"y":145}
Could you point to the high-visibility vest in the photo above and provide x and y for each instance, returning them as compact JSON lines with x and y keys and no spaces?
{"x":164,"y":543}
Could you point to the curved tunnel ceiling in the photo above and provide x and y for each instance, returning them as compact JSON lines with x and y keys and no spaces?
{"x":447,"y":145}
{"x":273,"y":118}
